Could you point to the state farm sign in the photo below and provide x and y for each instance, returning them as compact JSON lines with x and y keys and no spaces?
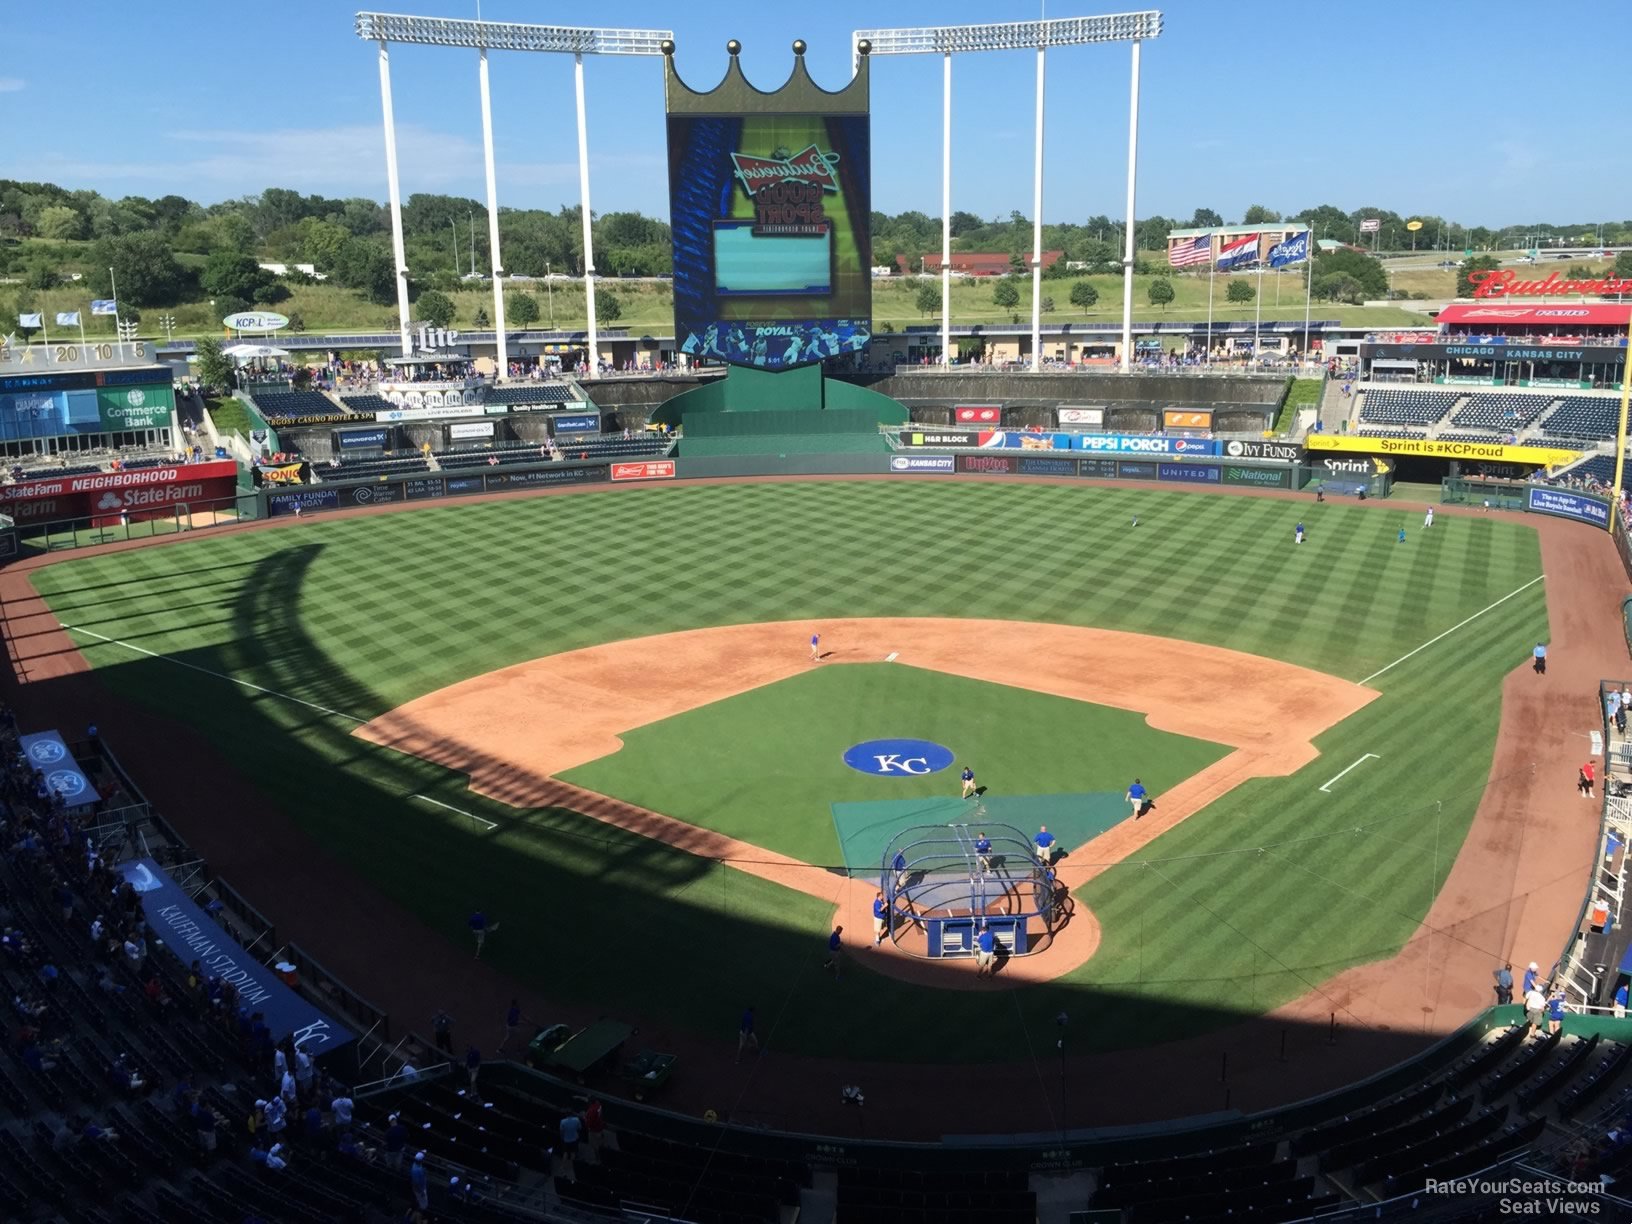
{"x":1506,"y":283}
{"x":105,"y":497}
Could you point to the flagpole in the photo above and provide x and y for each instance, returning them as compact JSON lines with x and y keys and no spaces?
{"x":1258,"y":300}
{"x":1212,"y":269}
{"x":81,"y":319}
{"x":118,"y":332}
{"x":1308,"y":291}
{"x":46,"y":333}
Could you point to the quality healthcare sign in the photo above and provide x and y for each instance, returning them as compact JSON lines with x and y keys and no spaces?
{"x":190,"y":934}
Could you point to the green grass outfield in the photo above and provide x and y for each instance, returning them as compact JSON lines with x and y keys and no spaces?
{"x":361,"y":615}
{"x":793,"y":734}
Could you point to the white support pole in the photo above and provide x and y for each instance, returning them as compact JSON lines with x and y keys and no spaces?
{"x":1258,"y":304}
{"x":594,"y":357}
{"x":493,"y":222}
{"x":1037,"y":227}
{"x":1127,"y":256}
{"x":1308,"y":295}
{"x":946,"y":209}
{"x":395,"y":191}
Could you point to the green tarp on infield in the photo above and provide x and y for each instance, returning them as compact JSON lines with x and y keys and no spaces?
{"x":865,"y":830}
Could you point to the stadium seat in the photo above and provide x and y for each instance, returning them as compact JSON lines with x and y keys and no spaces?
{"x":1403,"y":406}
{"x":1584,"y":416}
{"x":1506,"y":413}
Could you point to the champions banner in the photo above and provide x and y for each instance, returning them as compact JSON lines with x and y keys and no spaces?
{"x":769,"y":199}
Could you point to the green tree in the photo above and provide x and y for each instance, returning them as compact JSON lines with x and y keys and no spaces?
{"x":521,"y":308}
{"x":1478,"y":263}
{"x":213,"y":368}
{"x":1239,"y":290}
{"x":1160,"y":292}
{"x":225,"y":306}
{"x":607,"y":308}
{"x":231,"y":274}
{"x":1046,"y":306}
{"x":296,"y":323}
{"x":1580,"y":272}
{"x":963,"y":223}
{"x":435,"y":308}
{"x":60,"y":222}
{"x":481,"y":321}
{"x":1257,"y":214}
{"x":40,"y":274}
{"x":928,"y":300}
{"x":365,"y":264}
{"x":1004,"y":294}
{"x":1083,"y":294}
{"x":144,"y":267}
{"x":1337,"y":287}
{"x":1205,"y":218}
{"x":1367,"y":272}
{"x":1623,"y":265}
{"x":1017,"y":263}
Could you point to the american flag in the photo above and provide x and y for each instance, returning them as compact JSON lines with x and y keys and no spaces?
{"x":1187,"y":254}
{"x":1243,"y":250}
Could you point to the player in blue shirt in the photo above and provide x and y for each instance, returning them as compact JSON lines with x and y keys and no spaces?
{"x":983,"y":847}
{"x":968,"y":776}
{"x":900,"y":866}
{"x":815,"y":647}
{"x":745,"y":1032}
{"x":1297,"y":534}
{"x":985,"y":952}
{"x":1046,"y":847}
{"x":1137,"y":797}
{"x":835,"y":952}
{"x":1530,"y":977}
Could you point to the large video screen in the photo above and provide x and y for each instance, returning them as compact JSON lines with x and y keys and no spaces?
{"x":772,"y":262}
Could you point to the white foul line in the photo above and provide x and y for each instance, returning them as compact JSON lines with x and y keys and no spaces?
{"x":491,"y":824}
{"x":1452,"y":629}
{"x":1370,"y":756}
{"x":153,"y":654}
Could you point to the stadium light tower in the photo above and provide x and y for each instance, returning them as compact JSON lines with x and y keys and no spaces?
{"x":481,"y":37}
{"x":947,"y":41}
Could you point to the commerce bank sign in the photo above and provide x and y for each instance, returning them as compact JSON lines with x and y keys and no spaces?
{"x":1506,"y":283}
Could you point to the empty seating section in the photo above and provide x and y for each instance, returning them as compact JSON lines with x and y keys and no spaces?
{"x":611,"y":446}
{"x":531,"y":393}
{"x":1470,"y":435}
{"x":367,"y":403}
{"x":1506,"y":412}
{"x":356,"y":469}
{"x":910,"y":1196}
{"x":1600,"y":469}
{"x":1584,"y":416}
{"x":1401,"y":406}
{"x":1379,"y":432}
{"x":280,"y":406}
{"x":481,"y":456}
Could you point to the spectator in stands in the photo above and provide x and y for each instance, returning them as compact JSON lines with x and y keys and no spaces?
{"x":1535,"y":1003}
{"x":473,"y":1065}
{"x":1530,"y":973}
{"x":442,"y":1026}
{"x":205,"y":1122}
{"x":1555,"y":1010}
{"x":312,"y":1124}
{"x":1620,"y":1001}
{"x":595,"y":1123}
{"x":417,"y":1182}
{"x":571,"y":1129}
{"x":341,"y":1107}
{"x":276,"y":1114}
{"x":303,"y":1073}
{"x":396,"y":1140}
{"x":1583,"y":780}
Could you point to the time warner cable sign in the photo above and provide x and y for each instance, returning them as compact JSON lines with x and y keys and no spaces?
{"x":769,"y":198}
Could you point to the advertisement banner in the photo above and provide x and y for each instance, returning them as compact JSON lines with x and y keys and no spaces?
{"x":281,"y":473}
{"x":772,"y":256}
{"x":34,"y":414}
{"x":1193,"y":473}
{"x":278,"y":504}
{"x":48,"y":753}
{"x":545,"y":476}
{"x":1436,"y":448}
{"x":1258,"y":478}
{"x":190,"y":935}
{"x":922,"y":463}
{"x":127,"y":408}
{"x":458,"y":486}
{"x":1136,"y":471}
{"x":1349,"y":467}
{"x":1497,"y":348}
{"x":1281,"y":452}
{"x":940,"y":437}
{"x":581,"y":423}
{"x":470,"y":429}
{"x":651,"y":469}
{"x":1082,"y":416}
{"x":1099,"y":469}
{"x":978,"y":414}
{"x":362,"y":439}
{"x":105,"y":497}
{"x":1187,"y":418}
{"x":1026,"y":440}
{"x":1002,"y":464}
{"x":371,"y":494}
{"x":1576,"y":506}
{"x":421,"y":490}
{"x":1040,"y":465}
{"x":1141,"y":444}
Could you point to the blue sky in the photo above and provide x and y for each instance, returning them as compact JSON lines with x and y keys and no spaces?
{"x":1402,"y":105}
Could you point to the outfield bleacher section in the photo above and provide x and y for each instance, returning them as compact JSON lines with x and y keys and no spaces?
{"x":531,"y":394}
{"x":1507,"y":413}
{"x":367,"y":403}
{"x":1585,"y":417}
{"x":1405,"y":406}
{"x":371,"y":466}
{"x":279,"y":407}
{"x":1382,"y":432}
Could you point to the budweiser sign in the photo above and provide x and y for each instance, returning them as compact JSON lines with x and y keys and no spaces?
{"x":812,"y":166}
{"x":1506,"y":283}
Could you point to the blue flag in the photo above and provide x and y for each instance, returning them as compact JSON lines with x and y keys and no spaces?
{"x":104,"y":306}
{"x":1293,"y":250}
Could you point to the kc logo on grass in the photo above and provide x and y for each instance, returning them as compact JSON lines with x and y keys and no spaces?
{"x":898,"y":758}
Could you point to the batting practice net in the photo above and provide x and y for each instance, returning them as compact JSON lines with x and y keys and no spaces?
{"x":943,"y":885}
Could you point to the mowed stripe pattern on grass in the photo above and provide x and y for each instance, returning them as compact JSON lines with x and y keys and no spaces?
{"x":359,"y":616}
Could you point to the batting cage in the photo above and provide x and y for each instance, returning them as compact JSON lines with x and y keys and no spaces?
{"x":944,"y":884}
